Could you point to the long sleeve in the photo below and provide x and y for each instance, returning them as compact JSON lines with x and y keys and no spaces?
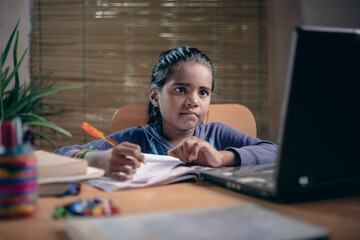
{"x":250,"y":150}
{"x":134,"y":135}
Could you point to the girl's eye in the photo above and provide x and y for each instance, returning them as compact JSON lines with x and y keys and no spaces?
{"x":203,"y":93}
{"x":180,"y":90}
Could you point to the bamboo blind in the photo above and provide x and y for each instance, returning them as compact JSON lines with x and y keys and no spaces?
{"x":112,"y":46}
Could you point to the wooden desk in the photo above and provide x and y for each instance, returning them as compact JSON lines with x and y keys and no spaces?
{"x":341,"y":216}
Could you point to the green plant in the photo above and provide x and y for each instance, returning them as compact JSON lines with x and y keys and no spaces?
{"x":23,"y":101}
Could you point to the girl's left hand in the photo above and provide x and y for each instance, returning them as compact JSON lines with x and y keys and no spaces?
{"x":196,"y":151}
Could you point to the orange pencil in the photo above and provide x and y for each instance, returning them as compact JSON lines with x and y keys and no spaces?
{"x":98,"y":134}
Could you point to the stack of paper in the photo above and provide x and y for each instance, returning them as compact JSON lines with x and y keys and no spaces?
{"x":53,"y":168}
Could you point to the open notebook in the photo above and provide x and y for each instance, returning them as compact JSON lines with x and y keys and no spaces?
{"x":320,"y":123}
{"x":158,"y":170}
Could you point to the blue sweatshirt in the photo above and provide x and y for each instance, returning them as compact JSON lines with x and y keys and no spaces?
{"x":250,"y":150}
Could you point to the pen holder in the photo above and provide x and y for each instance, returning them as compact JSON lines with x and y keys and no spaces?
{"x":18,"y":186}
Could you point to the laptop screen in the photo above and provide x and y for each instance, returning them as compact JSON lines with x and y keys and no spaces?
{"x":319,"y":135}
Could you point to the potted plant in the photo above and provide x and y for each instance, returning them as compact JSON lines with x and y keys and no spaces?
{"x":21,"y":100}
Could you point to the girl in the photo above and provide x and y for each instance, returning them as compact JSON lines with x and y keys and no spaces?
{"x":182,"y":82}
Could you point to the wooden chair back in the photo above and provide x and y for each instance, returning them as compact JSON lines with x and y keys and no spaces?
{"x":234,"y":115}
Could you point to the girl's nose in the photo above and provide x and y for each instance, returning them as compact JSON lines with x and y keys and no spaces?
{"x":192,"y":100}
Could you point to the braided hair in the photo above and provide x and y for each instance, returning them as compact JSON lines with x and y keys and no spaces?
{"x":166,"y":65}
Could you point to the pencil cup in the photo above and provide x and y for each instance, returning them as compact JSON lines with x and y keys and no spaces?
{"x":18,"y":175}
{"x":18,"y":187}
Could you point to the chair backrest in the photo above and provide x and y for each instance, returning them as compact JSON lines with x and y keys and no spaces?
{"x":233,"y":115}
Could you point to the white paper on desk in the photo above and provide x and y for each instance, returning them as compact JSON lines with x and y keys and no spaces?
{"x":156,"y":165}
{"x":91,"y":172}
{"x":247,"y":221}
{"x":158,"y":170}
{"x":54,"y":168}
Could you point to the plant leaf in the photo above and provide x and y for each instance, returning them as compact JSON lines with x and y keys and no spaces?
{"x":1,"y":87}
{"x":15,"y":70}
{"x":22,"y":100}
{"x":14,"y":93}
{"x":49,"y":125}
{"x":17,"y":84}
{"x":48,"y":109}
{"x":31,"y":116}
{"x":43,"y":136}
{"x":36,"y":120}
{"x":16,"y":107}
{"x":7,"y":48}
{"x":5,"y":72}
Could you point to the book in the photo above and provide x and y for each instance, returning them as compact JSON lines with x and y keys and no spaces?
{"x":58,"y":189}
{"x":247,"y":221}
{"x":53,"y":168}
{"x":158,"y":170}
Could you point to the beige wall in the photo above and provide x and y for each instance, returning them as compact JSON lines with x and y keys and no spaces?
{"x":283,"y":17}
{"x":10,"y":12}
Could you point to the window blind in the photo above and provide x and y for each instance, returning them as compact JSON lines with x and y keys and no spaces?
{"x":112,"y":46}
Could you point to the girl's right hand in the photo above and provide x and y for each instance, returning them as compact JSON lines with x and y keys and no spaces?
{"x":115,"y":161}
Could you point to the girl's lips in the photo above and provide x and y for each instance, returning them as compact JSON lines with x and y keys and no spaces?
{"x":189,"y":114}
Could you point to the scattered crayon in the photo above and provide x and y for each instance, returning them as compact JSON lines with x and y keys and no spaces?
{"x":89,"y":207}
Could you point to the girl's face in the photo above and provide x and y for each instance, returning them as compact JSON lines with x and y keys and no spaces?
{"x":185,"y":98}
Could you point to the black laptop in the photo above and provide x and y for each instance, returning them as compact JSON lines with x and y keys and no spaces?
{"x":319,"y":137}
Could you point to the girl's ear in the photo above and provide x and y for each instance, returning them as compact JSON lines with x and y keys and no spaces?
{"x":154,"y":97}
